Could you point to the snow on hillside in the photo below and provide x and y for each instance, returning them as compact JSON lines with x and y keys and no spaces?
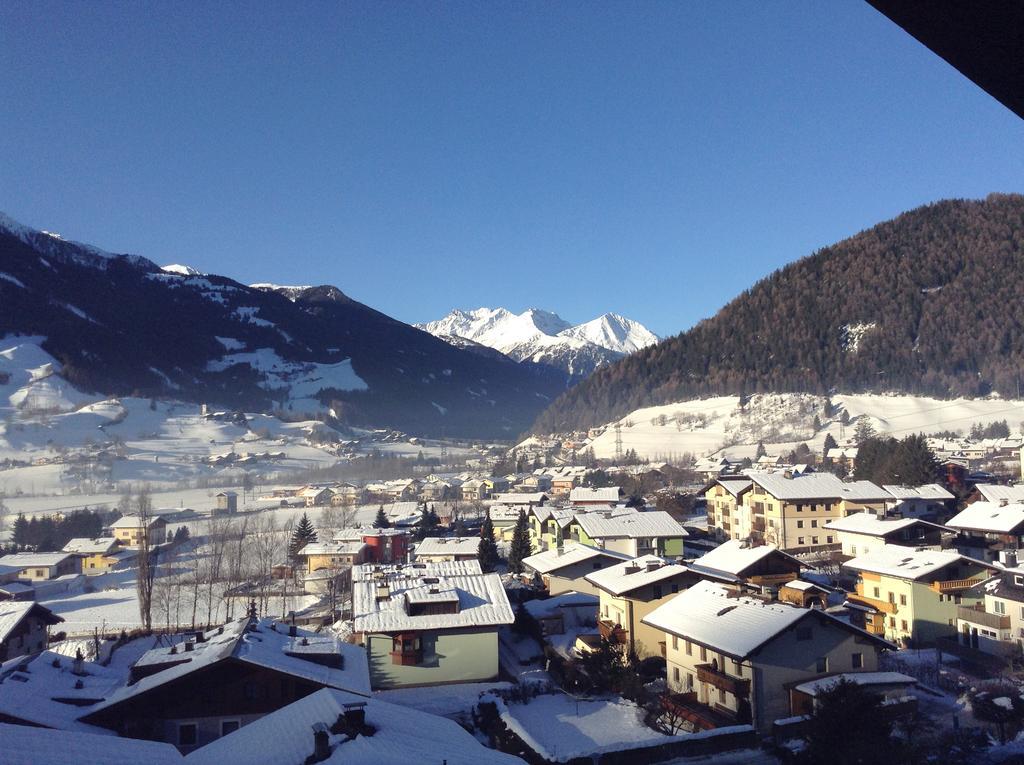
{"x":783,"y":420}
{"x":544,"y":337}
{"x":178,"y":268}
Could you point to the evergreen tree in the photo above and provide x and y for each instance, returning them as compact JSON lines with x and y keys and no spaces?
{"x":428,"y":523}
{"x":381,"y":520}
{"x":761,"y":452}
{"x":863,"y":432}
{"x":20,"y":531}
{"x":304,"y":534}
{"x":181,"y":536}
{"x":830,"y":443}
{"x":521,"y":546}
{"x":487,"y":550}
{"x":849,"y":725}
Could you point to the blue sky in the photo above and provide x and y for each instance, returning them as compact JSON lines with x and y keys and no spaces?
{"x":653,"y":159}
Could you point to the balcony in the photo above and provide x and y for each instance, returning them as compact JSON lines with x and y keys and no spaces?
{"x":694,"y":715}
{"x":953,"y":585}
{"x":978,"y":615}
{"x":407,"y":658}
{"x":737,"y":686}
{"x":882,"y":605}
{"x":611,"y":631}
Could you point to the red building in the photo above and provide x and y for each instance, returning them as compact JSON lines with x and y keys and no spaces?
{"x":383,"y":545}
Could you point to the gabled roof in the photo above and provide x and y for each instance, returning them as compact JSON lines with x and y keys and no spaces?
{"x":521,"y":498}
{"x":817,"y":486}
{"x":28,"y":559}
{"x":870,"y":524}
{"x":333,"y":548}
{"x":86,"y":546}
{"x":931,"y":491}
{"x":629,"y":523}
{"x":608,"y":494}
{"x":400,"y":735}
{"x":268,"y":645}
{"x":28,"y":745}
{"x":556,"y":559}
{"x":735,"y":557}
{"x":134,"y":522}
{"x":448,"y":546}
{"x":712,"y":615}
{"x":14,"y":612}
{"x":904,"y":563}
{"x":480,"y":598}
{"x":983,"y":516}
{"x":735,"y":485}
{"x":995,"y":492}
{"x":633,"y":574}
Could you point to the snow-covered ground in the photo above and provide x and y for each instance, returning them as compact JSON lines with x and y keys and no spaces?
{"x":456,"y":700}
{"x":783,"y":420}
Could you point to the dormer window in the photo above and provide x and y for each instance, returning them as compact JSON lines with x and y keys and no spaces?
{"x":1018,"y":580}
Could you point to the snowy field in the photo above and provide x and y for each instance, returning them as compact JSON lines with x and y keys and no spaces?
{"x":783,"y":420}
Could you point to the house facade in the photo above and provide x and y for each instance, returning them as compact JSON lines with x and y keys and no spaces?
{"x":24,"y":628}
{"x":564,"y":569}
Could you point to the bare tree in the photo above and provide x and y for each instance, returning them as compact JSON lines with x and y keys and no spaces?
{"x":148,"y":561}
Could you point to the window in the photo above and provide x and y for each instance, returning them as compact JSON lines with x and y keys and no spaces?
{"x":876,"y":592}
{"x":814,"y":523}
{"x":853,"y":548}
{"x":799,"y":540}
{"x":689,"y":648}
{"x":903,"y":600}
{"x":999,"y":606}
{"x":703,"y":653}
{"x":821,"y":665}
{"x":737,"y":668}
{"x":814,"y":540}
{"x":892,"y":597}
{"x":657,"y":591}
{"x":1018,"y":579}
{"x":828,"y":539}
{"x":903,"y":625}
{"x":675,"y":674}
{"x":800,"y":509}
{"x":675,"y":642}
{"x":675,"y":588}
{"x":228,"y":726}
{"x":187,"y":734}
{"x":857,"y":660}
{"x":892,"y":622}
{"x":721,"y":695}
{"x":799,"y":524}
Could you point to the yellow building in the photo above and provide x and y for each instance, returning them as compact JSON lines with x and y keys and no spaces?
{"x":913,"y":595}
{"x":630,"y":590}
{"x":790,"y":511}
{"x":129,"y":530}
{"x":332,"y":555}
{"x":97,"y":556}
{"x":724,"y":498}
{"x":731,"y":658}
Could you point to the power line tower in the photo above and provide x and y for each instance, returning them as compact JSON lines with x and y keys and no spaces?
{"x":618,"y":443}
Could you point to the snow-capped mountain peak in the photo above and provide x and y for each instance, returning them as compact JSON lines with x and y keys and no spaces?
{"x":178,"y":268}
{"x":545,"y":337}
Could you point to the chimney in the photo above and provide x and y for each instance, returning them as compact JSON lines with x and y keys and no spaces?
{"x":1008,"y":558}
{"x":1004,"y":502}
{"x":653,"y":565}
{"x":383,"y":591}
{"x":293,"y":631}
{"x":321,"y":743}
{"x":77,"y":667}
{"x":632,"y":568}
{"x":189,"y":646}
{"x":355,"y":716}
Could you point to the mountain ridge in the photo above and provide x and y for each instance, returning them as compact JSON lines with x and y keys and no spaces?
{"x":924,"y":303}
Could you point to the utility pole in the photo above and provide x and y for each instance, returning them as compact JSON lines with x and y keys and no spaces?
{"x":618,"y":443}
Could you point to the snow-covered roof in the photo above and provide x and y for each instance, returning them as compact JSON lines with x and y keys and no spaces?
{"x":31,"y":695}
{"x":546,"y":607}
{"x":734,"y":486}
{"x":28,"y":745}
{"x":135,"y":522}
{"x":521,"y":498}
{"x":711,"y":614}
{"x":333,"y":548}
{"x":630,"y":524}
{"x":479,"y":599}
{"x":268,"y":645}
{"x":817,"y":486}
{"x":995,"y":492}
{"x":28,"y":559}
{"x":869,"y":524}
{"x":356,"y":535}
{"x":631,"y":574}
{"x":401,"y":734}
{"x":505,"y":514}
{"x":735,"y":557}
{"x":814,"y":687}
{"x":980,"y":516}
{"x":13,"y":612}
{"x":931,"y":491}
{"x":905,"y":563}
{"x":86,"y":546}
{"x":609,"y":494}
{"x":559,"y":558}
{"x":447,"y":546}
